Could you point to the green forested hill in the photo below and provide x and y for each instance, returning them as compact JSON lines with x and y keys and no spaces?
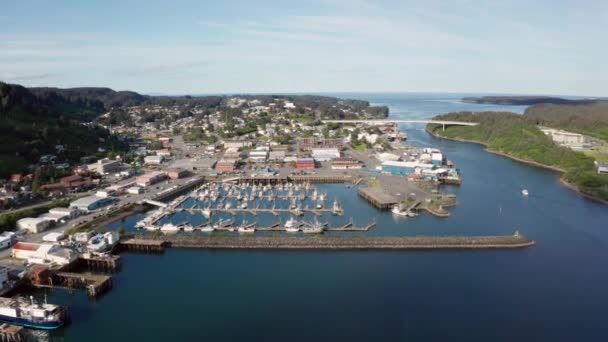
{"x":588,"y":118}
{"x":516,"y":135}
{"x":31,"y":126}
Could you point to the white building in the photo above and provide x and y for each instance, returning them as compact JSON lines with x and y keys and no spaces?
{"x":153,"y":160}
{"x":135,"y":190}
{"x":325,"y":154}
{"x":33,"y":224}
{"x":258,"y":156}
{"x":42,"y":253}
{"x":70,"y":212}
{"x":237,"y":143}
{"x":6,"y":240}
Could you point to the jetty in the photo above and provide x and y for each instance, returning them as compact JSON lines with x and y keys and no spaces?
{"x":404,"y":243}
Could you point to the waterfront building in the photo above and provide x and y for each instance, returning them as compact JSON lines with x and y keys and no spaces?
{"x":135,"y":190}
{"x":176,"y":173}
{"x":150,"y":178}
{"x":225,"y":165}
{"x":325,"y":154}
{"x":33,"y":224}
{"x":69,"y":212}
{"x":104,"y":166}
{"x":258,"y":156}
{"x":90,"y":203}
{"x":305,"y":163}
{"x":276,"y":156}
{"x":42,"y":253}
{"x":400,"y":168}
{"x":345,"y":163}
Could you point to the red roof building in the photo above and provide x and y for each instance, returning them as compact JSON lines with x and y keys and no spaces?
{"x":305,"y":163}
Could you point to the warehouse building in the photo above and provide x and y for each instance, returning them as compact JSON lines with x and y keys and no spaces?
{"x":69,"y":212}
{"x":176,"y":173}
{"x":90,"y":203}
{"x":150,"y":178}
{"x":399,"y":168}
{"x":305,"y":163}
{"x":345,"y":164}
{"x":153,"y":160}
{"x":42,"y":253}
{"x":33,"y":224}
{"x":325,"y":154}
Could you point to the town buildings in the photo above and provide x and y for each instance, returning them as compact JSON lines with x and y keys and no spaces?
{"x":307,"y":144}
{"x":104,"y":166}
{"x":150,"y":178}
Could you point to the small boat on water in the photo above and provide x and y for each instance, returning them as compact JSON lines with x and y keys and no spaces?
{"x":319,"y":204}
{"x":399,"y":210}
{"x":525,"y":192}
{"x":206,"y":212}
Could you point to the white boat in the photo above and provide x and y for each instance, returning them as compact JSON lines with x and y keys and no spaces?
{"x":399,"y":211}
{"x":97,"y":243}
{"x":319,"y":205}
{"x":244,"y":205}
{"x":292,"y":226}
{"x":337,"y":208}
{"x":525,"y":192}
{"x":228,"y":205}
{"x":239,"y":197}
{"x":207,"y":229}
{"x":293,"y":204}
{"x":169,"y":228}
{"x":206,"y":212}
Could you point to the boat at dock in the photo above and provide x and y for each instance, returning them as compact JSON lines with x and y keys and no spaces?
{"x":169,"y":228}
{"x":292,"y":225}
{"x":401,"y":211}
{"x":245,"y":228}
{"x":206,"y":229}
{"x":206,"y":212}
{"x":336,"y":208}
{"x":315,"y":228}
{"x":18,"y":311}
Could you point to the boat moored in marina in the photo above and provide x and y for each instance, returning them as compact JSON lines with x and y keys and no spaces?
{"x":292,"y":225}
{"x":18,"y":311}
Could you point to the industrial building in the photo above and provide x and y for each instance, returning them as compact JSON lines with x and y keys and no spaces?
{"x":276,"y":156}
{"x":42,"y":253}
{"x":325,"y":154}
{"x":69,"y":212}
{"x":150,"y":178}
{"x":237,"y":143}
{"x":176,"y":173}
{"x":33,"y":224}
{"x":345,"y":164}
{"x":90,"y":203}
{"x":104,"y":166}
{"x":258,"y":155}
{"x":305,"y":163}
{"x":225,"y":165}
{"x":400,"y":168}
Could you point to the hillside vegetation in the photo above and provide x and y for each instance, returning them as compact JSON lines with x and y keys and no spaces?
{"x":589,"y":118}
{"x":516,"y":135}
{"x":31,"y":126}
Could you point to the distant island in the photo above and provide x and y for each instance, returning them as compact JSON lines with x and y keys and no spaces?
{"x":522,"y":100}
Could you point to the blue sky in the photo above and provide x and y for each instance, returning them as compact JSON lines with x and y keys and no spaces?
{"x":177,"y":47}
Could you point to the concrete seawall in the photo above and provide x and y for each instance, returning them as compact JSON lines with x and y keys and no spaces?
{"x":344,"y":243}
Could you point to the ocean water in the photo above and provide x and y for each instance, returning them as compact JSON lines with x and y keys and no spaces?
{"x":555,"y":291}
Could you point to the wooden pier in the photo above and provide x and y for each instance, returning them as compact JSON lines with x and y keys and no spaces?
{"x":109,"y":263}
{"x":94,"y":284}
{"x":377,"y":197}
{"x":142,"y":245}
{"x":514,"y":241}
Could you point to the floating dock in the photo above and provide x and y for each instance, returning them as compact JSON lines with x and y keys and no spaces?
{"x":345,"y":243}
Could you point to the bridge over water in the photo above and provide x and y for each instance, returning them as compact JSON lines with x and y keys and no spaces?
{"x":387,"y":121}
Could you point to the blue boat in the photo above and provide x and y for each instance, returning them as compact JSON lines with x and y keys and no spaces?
{"x":19,"y":311}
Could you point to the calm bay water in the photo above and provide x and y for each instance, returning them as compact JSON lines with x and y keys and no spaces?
{"x":555,"y":291}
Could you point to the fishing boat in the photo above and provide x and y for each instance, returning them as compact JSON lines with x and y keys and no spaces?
{"x":292,"y":225}
{"x":315,"y":228}
{"x":19,"y":311}
{"x":336,"y":208}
